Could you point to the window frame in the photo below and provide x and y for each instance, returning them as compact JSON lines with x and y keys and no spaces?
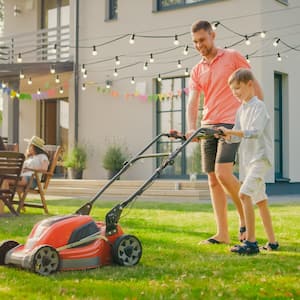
{"x":158,"y":7}
{"x":111,"y":12}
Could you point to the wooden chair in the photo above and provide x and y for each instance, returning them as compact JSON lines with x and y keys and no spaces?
{"x":42,"y":179}
{"x":11,"y":164}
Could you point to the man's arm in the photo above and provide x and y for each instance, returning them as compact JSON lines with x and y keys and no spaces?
{"x":192,"y":110}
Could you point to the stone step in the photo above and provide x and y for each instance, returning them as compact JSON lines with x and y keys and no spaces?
{"x":159,"y":189}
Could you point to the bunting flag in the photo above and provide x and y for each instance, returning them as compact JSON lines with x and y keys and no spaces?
{"x":50,"y":93}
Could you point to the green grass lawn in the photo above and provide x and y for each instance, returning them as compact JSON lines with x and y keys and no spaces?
{"x":173,"y":265}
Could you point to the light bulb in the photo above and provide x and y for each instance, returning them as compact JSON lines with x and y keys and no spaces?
{"x":117,"y":61}
{"x":132,"y":41}
{"x":215,"y":25}
{"x":57,"y":80}
{"x":61,"y":90}
{"x":145,"y":66}
{"x":159,"y":78}
{"x":247,"y":58}
{"x":176,"y":42}
{"x":132,"y":80}
{"x":247,"y":41}
{"x":83,"y":87}
{"x":52,"y":69}
{"x":85,"y":74}
{"x":83,"y":68}
{"x":186,"y":50}
{"x":94,"y":51}
{"x":179,"y":64}
{"x":19,"y":59}
{"x":22,"y":75}
{"x":263,"y":34}
{"x":151,"y":58}
{"x":276,"y":42}
{"x":186,"y":73}
{"x":279,"y":58}
{"x":116,"y":73}
{"x":29,"y":81}
{"x":39,"y":91}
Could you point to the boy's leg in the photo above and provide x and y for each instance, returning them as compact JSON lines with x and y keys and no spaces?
{"x":249,"y":217}
{"x":267,"y":220}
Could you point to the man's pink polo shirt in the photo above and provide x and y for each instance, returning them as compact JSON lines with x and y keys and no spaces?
{"x":220,"y":105}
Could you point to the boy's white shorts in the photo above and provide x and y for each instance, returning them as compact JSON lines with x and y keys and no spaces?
{"x":254,"y":182}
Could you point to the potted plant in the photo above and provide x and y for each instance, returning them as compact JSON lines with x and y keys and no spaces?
{"x":113,"y":159}
{"x":75,"y":161}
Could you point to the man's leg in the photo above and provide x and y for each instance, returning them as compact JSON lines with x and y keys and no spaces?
{"x":219,"y":202}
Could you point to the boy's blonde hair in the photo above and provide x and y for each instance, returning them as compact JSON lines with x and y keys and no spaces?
{"x":241,"y":75}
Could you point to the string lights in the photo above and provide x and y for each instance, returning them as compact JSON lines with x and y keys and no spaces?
{"x":244,"y":38}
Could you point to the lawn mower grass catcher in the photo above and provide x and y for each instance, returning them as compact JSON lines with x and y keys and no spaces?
{"x":76,"y":241}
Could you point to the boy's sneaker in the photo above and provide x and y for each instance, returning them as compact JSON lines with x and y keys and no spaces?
{"x":270,"y":246}
{"x":247,"y":248}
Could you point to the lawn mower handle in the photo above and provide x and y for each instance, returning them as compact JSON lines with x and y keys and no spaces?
{"x":86,"y":208}
{"x":113,"y":216}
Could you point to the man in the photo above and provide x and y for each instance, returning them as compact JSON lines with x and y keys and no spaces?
{"x":210,"y":77}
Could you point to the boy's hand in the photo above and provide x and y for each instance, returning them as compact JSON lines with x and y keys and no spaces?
{"x":226,"y":133}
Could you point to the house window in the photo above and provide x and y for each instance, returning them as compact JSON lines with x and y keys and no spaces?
{"x":286,"y":2}
{"x":171,"y":114}
{"x":168,"y":4}
{"x":112,"y":9}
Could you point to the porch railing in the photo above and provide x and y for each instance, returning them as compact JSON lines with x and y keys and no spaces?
{"x":50,"y":45}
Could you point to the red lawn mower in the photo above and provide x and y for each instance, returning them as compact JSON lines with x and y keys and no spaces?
{"x":76,"y":241}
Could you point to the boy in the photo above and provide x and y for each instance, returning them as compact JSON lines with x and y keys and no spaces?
{"x":252,"y":128}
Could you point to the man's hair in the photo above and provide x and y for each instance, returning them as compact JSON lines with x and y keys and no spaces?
{"x":201,"y":25}
{"x":240,"y":75}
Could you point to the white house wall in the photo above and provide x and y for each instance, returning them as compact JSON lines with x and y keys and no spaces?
{"x":104,"y":118}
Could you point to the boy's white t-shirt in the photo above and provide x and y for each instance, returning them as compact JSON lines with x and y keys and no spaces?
{"x":253,"y":119}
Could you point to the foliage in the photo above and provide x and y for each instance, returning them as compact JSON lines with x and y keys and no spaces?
{"x":173,"y":265}
{"x":114,"y":157}
{"x":76,"y":158}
